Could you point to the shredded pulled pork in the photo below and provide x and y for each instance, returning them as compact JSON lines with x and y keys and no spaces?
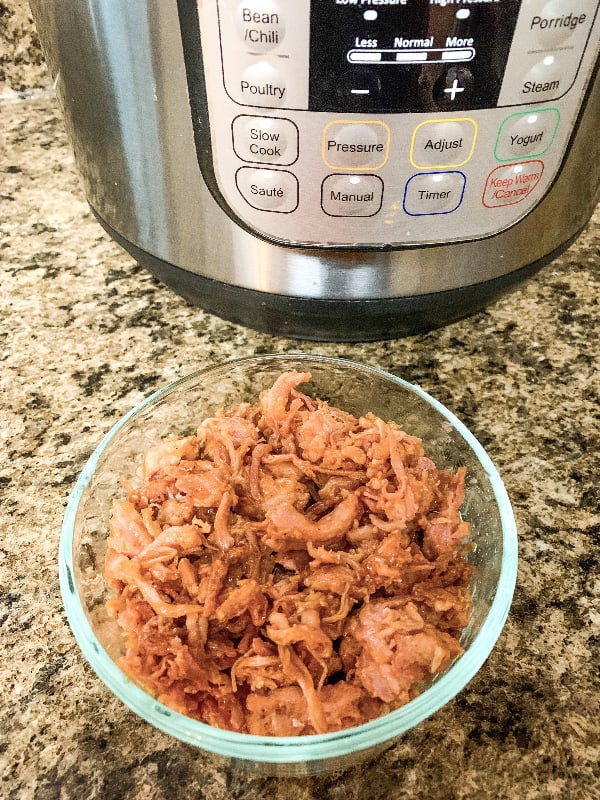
{"x":290,"y":568}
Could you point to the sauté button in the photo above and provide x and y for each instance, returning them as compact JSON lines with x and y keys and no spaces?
{"x":268,"y":189}
{"x":265,"y":140}
{"x":443,"y":143}
{"x":526,"y":134}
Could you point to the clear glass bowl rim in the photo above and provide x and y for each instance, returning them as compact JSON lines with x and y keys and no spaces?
{"x":285,"y":749}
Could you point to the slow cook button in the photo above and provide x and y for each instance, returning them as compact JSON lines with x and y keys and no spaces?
{"x":527,"y":134}
{"x":265,"y":140}
{"x":511,"y":183}
{"x":351,"y":195}
{"x":262,"y":85}
{"x":434,"y":193}
{"x":260,"y":24}
{"x":268,"y":189}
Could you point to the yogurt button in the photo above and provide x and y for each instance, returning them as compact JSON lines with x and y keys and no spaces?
{"x":268,"y":189}
{"x":526,"y":134}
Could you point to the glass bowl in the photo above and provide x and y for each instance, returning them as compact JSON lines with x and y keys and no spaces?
{"x":177,"y":409}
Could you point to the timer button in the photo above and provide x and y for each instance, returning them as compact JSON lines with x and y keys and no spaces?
{"x":259,"y":24}
{"x":443,"y":143}
{"x":434,"y":193}
{"x":268,"y":189}
{"x":527,"y":134}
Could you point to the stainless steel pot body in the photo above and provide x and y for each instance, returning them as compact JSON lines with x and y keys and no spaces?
{"x":123,"y":83}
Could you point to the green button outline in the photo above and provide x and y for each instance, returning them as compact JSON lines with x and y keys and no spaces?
{"x":523,"y":114}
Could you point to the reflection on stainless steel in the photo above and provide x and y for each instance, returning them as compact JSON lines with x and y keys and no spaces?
{"x":122,"y":86}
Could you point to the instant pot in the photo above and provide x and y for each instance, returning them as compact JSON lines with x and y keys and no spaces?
{"x":333,"y":169}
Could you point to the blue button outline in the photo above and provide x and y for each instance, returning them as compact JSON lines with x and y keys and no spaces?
{"x":437,"y":172}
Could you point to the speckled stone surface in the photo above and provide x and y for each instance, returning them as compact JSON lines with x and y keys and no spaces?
{"x":86,"y":334}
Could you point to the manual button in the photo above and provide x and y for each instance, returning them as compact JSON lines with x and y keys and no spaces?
{"x":268,"y":189}
{"x":351,"y":195}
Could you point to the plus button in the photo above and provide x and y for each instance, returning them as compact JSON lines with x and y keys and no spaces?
{"x":454,"y":89}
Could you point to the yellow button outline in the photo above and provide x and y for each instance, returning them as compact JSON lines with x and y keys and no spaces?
{"x":343,"y":167}
{"x":433,"y":122}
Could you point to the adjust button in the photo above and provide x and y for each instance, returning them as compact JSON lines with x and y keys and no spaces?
{"x":351,"y":195}
{"x":434,"y":193}
{"x":356,"y":145}
{"x":527,"y":134}
{"x":443,"y":143}
{"x":260,"y":25}
{"x":268,"y":189}
{"x":265,"y":140}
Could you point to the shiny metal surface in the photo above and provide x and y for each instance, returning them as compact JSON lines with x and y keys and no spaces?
{"x":121,"y":81}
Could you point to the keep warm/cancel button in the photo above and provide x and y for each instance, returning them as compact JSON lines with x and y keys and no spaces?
{"x":511,"y":183}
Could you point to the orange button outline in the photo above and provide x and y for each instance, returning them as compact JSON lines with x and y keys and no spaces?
{"x":344,"y":167}
{"x":437,"y":121}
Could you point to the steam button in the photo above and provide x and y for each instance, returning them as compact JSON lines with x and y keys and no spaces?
{"x":268,"y":189}
{"x":260,"y":25}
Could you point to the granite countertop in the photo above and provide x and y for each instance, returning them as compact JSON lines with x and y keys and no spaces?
{"x":86,"y":334}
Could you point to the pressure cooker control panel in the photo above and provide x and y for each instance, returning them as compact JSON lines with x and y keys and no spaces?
{"x":385,"y":122}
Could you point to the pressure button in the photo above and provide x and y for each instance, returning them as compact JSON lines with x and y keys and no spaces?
{"x":349,"y":145}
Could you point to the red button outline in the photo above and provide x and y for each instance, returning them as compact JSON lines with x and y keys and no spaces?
{"x":505,"y":166}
